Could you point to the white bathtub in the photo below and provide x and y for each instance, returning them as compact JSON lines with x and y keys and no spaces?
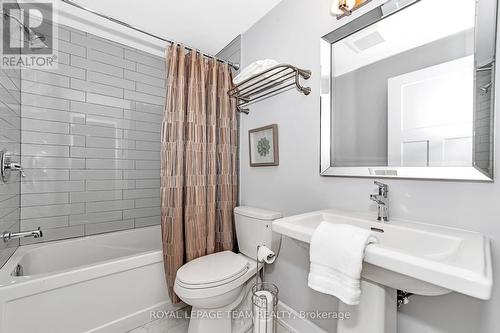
{"x":103,"y":283}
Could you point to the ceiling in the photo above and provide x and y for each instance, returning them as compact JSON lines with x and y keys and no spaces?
{"x":206,"y":25}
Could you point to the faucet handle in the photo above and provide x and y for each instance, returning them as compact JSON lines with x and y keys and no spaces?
{"x":382,"y":185}
{"x":14,"y":166}
{"x":382,"y":188}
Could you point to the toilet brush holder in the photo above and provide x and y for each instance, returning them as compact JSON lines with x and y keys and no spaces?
{"x":264,"y":307}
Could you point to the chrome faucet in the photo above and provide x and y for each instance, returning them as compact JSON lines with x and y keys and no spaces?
{"x":7,"y":236}
{"x":382,"y":200}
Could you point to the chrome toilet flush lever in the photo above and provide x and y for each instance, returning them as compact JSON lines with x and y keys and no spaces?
{"x":6,"y":166}
{"x":382,"y":200}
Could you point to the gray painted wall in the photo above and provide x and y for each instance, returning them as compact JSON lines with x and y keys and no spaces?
{"x":232,"y":52}
{"x":91,"y":139}
{"x":291,"y":32}
{"x":362,"y":95}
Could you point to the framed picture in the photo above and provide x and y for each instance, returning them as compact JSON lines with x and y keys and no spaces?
{"x":263,"y":146}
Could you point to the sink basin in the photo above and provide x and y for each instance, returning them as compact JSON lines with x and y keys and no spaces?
{"x":419,"y":258}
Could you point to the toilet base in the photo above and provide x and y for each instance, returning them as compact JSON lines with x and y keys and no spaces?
{"x":209,"y":320}
{"x":224,"y":320}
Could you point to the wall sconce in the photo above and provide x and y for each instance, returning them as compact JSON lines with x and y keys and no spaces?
{"x":342,"y":8}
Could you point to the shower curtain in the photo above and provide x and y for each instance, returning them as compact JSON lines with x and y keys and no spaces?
{"x":198,"y":160}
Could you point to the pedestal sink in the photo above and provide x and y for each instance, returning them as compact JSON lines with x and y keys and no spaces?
{"x":415,"y":257}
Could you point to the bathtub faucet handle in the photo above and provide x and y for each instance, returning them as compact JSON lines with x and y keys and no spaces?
{"x":17,"y":167}
{"x":7,"y":166}
{"x":7,"y":236}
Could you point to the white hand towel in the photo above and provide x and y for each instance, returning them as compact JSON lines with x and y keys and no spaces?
{"x":254,"y":68}
{"x":336,"y":255}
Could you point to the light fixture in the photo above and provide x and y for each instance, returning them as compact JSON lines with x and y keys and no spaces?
{"x":342,"y":8}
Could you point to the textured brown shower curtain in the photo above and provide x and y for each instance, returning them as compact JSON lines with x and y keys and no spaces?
{"x":198,"y":160}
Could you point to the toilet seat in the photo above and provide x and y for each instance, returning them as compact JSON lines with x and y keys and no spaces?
{"x":212,"y":270}
{"x":196,"y":286}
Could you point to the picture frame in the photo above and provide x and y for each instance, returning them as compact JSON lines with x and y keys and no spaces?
{"x":263,"y":146}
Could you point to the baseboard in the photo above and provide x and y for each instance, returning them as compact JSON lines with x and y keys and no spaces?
{"x":293,"y":323}
{"x":134,"y":320}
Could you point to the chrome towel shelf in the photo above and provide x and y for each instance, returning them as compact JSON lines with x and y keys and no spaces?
{"x":269,"y":83}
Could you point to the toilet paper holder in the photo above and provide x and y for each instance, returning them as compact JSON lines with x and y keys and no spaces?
{"x":265,"y":255}
{"x":265,"y":303}
{"x":264,"y":295}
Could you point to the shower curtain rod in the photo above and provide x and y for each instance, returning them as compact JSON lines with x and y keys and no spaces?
{"x":112,"y":19}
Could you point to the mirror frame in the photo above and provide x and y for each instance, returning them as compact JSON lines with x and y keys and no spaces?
{"x":327,"y":168}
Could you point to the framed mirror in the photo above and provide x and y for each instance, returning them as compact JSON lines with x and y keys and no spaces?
{"x":407,"y":91}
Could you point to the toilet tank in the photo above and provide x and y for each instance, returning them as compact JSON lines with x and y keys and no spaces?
{"x":253,"y":228}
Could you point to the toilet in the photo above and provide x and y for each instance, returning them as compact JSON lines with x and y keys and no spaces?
{"x":214,"y":285}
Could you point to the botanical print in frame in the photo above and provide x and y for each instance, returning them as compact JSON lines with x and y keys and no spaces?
{"x":263,"y":146}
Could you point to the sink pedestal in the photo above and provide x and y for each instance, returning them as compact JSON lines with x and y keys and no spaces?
{"x":376,"y":312}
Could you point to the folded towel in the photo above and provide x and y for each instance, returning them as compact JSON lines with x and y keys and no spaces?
{"x":254,"y":68}
{"x":336,"y":255}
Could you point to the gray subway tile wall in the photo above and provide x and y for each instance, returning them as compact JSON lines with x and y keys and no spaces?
{"x":91,"y":139}
{"x":483,"y":122}
{"x":10,"y":139}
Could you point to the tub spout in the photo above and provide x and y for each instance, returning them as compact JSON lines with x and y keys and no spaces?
{"x":7,"y":236}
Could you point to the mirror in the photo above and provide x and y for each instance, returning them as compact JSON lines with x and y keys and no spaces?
{"x":407,"y":92}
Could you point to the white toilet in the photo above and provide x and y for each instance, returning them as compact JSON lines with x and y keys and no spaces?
{"x":216,"y":284}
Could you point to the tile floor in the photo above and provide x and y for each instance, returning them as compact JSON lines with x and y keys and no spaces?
{"x":177,"y":326}
{"x":179,"y":323}
{"x":163,"y":326}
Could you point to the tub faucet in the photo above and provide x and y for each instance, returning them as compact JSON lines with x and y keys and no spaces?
{"x":382,"y":200}
{"x":7,"y":236}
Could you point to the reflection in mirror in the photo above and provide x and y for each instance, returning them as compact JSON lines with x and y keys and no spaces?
{"x":408,"y":90}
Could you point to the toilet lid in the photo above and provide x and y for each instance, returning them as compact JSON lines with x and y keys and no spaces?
{"x":212,"y":270}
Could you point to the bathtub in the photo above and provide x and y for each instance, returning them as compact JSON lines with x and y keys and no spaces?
{"x":103,"y":283}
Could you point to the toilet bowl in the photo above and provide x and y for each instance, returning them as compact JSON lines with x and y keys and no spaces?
{"x":214,"y":285}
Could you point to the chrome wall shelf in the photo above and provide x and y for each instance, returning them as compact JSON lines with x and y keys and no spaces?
{"x":269,"y":83}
